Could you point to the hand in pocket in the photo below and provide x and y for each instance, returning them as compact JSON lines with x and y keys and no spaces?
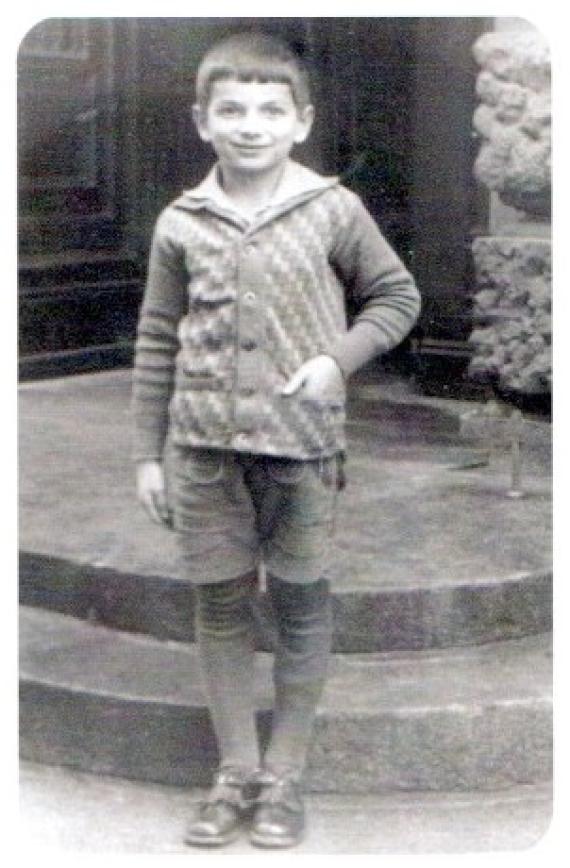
{"x":319,"y":379}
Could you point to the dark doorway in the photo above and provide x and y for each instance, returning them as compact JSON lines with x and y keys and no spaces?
{"x":106,"y":140}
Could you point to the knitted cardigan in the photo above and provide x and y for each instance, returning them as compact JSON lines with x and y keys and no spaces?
{"x":233,"y":307}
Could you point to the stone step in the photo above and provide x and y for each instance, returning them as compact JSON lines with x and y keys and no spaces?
{"x":425,"y":613}
{"x":430,"y":552}
{"x":128,"y":705}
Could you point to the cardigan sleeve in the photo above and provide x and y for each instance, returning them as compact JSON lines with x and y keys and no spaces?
{"x":157,"y":344}
{"x":384,"y":293}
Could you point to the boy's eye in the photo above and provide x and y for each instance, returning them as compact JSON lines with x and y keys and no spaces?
{"x":227,"y":111}
{"x":274,"y":111}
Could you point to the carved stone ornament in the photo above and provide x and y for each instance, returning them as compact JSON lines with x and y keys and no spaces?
{"x":514,"y":119}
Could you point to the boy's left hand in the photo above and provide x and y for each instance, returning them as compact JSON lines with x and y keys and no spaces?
{"x":320,"y":379}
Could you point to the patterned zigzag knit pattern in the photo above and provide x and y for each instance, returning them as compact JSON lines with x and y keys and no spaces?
{"x":232,"y":310}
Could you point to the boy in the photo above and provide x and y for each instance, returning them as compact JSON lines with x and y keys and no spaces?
{"x":242,"y":357}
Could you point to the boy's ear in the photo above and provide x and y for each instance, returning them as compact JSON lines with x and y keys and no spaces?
{"x":199,"y":116}
{"x":304,"y":124}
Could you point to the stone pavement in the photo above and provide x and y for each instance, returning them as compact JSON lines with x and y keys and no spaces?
{"x":70,"y":811}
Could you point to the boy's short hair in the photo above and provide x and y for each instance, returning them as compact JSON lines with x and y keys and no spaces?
{"x":252,"y":57}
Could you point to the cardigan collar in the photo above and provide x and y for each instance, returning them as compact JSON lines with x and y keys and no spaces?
{"x":297,"y":184}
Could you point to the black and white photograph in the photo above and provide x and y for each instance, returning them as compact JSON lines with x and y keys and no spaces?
{"x":284,"y":407}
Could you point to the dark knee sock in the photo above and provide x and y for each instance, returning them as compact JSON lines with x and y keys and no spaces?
{"x":304,"y":620}
{"x":224,"y":634}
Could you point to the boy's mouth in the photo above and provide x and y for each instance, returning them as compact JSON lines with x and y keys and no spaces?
{"x":249,"y":149}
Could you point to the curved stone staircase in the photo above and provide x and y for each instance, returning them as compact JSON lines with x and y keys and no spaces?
{"x":442,"y":672}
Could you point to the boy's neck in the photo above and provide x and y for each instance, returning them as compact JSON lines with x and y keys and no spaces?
{"x":251,"y":192}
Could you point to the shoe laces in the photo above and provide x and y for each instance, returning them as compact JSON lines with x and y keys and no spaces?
{"x":229,"y":782}
{"x":278,"y":788}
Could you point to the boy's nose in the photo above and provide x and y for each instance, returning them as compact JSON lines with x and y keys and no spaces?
{"x":250,"y":126}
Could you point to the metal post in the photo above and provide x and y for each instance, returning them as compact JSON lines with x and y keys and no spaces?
{"x":515,"y":427}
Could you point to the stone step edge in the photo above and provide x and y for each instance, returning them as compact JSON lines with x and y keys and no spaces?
{"x":405,"y":618}
{"x":56,"y":634}
{"x":455,"y":409}
{"x":393,"y":738}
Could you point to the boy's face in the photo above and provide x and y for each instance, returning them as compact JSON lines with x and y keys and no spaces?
{"x":252,"y":126}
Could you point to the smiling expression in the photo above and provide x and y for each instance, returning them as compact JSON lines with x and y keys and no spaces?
{"x":252,"y":126}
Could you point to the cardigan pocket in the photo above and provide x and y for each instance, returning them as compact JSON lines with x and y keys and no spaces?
{"x":325,"y":422}
{"x":202,"y":372}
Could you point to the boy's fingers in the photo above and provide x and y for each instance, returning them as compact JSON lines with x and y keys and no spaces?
{"x":294,"y":383}
{"x":150,"y":507}
{"x":156,"y":507}
{"x":160,"y":507}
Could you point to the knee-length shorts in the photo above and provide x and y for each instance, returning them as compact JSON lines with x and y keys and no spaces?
{"x":231,"y":511}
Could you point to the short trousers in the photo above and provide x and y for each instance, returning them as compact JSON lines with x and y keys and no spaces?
{"x":232,"y":511}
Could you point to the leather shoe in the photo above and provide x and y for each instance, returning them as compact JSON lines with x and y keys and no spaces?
{"x":279,"y":814}
{"x":220,"y":815}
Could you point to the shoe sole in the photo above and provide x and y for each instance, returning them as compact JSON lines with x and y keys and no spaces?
{"x":211,"y":842}
{"x":208,"y":841}
{"x":274,"y":843}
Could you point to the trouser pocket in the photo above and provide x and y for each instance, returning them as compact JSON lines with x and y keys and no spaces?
{"x":201,"y":466}
{"x":287,"y":471}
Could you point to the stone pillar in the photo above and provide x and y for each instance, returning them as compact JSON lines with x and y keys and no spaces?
{"x":512,"y":305}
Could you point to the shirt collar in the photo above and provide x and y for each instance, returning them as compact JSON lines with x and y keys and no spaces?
{"x":297,"y":183}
